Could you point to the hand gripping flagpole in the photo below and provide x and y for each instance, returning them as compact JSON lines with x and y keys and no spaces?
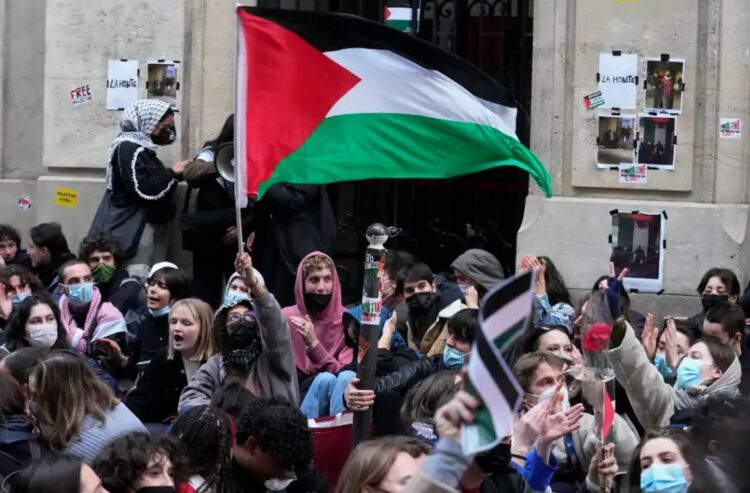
{"x":369,"y":332}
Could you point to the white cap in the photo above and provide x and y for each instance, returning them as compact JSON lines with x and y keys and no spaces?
{"x":159,"y":266}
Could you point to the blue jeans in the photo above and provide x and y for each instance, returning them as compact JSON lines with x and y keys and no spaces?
{"x":326,"y":395}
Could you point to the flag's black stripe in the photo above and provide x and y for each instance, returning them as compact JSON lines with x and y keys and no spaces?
{"x":330,"y":32}
{"x":402,"y":3}
{"x":505,"y":293}
{"x":503,"y":379}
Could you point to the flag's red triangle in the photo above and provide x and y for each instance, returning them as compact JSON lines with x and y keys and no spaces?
{"x":608,"y":413}
{"x":291,"y":86}
{"x":387,"y":14}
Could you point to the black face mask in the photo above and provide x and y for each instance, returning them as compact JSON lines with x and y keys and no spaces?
{"x":242,"y":334}
{"x":419,"y":303}
{"x":156,"y":489}
{"x":711,"y":300}
{"x":316,"y":303}
{"x":165,"y":137}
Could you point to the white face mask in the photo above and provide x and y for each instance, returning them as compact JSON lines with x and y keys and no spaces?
{"x":547,"y":395}
{"x":41,"y":335}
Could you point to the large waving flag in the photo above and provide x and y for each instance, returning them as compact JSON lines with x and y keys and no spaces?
{"x":323,"y":98}
{"x":503,"y":317}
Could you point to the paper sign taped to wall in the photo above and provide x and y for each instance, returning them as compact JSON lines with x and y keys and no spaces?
{"x":730,"y":128}
{"x":618,"y":80}
{"x":122,"y":84}
{"x":66,"y":197}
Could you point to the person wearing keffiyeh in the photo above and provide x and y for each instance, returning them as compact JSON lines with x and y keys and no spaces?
{"x":136,"y":176}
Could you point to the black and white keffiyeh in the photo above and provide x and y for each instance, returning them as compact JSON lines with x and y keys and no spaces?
{"x":136,"y":125}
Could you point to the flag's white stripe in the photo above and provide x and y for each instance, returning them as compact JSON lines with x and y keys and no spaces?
{"x":399,"y":14}
{"x":240,"y":98}
{"x":502,"y":414}
{"x":392,"y":84}
{"x":508,"y":315}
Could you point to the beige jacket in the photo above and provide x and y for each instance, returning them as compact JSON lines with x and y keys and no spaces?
{"x":434,"y":340}
{"x":653,"y":400}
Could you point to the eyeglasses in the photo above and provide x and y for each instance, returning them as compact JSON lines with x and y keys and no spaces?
{"x":236,"y":317}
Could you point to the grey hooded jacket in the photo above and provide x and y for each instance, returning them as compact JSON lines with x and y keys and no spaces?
{"x":481,"y":266}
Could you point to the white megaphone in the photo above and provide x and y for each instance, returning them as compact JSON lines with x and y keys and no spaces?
{"x":224,"y":161}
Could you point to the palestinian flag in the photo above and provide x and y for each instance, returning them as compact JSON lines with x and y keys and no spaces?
{"x":399,"y":14}
{"x":324,"y":98}
{"x":502,"y":318}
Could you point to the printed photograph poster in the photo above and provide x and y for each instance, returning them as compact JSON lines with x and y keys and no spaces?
{"x":122,"y":84}
{"x":638,"y":241}
{"x":633,"y":174}
{"x":664,"y":85}
{"x":614,"y":141}
{"x":656,"y":141}
{"x":730,"y":128}
{"x":163,"y":82}
{"x":618,"y":80}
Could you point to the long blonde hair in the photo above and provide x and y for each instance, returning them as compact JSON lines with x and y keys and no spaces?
{"x":204,"y":317}
{"x":66,"y":391}
{"x":370,"y":461}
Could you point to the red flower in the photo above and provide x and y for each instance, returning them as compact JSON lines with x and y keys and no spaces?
{"x":597,"y":338}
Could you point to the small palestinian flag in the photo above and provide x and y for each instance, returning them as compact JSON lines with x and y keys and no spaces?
{"x":324,"y":98}
{"x":502,"y":317}
{"x":400,"y":13}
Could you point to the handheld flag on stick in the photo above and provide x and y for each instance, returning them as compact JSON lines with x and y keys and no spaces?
{"x":323,"y":98}
{"x":502,"y":317}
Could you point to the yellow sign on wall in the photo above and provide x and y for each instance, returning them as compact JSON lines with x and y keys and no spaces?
{"x":66,"y":197}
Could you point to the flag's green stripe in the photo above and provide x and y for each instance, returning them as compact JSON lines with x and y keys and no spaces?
{"x":387,"y":145}
{"x":400,"y":25}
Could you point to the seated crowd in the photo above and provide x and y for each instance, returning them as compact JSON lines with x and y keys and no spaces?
{"x":111,"y":382}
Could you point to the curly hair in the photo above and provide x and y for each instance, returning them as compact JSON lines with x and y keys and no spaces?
{"x":9,"y":233}
{"x":125,"y":459}
{"x":317,"y":262}
{"x":280,"y":429}
{"x":101,"y":242}
{"x":208,"y":435}
{"x":25,"y":276}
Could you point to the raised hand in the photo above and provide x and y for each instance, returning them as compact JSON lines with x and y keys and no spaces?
{"x":670,"y":344}
{"x":603,"y":467}
{"x":472,"y":297}
{"x":649,"y":336}
{"x":450,"y":417}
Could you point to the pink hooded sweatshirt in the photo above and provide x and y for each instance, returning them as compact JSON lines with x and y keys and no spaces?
{"x":331,"y":352}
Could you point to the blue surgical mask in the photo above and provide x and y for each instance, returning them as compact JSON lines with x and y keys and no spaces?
{"x":463,"y":288}
{"x":668,"y":478}
{"x":17,"y":298}
{"x":660,"y":362}
{"x":161,"y":312}
{"x":80,"y":294}
{"x":233,"y":297}
{"x":689,"y":373}
{"x":453,"y":359}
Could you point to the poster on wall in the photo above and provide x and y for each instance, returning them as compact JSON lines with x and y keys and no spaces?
{"x":665,"y":84}
{"x":163,"y":81}
{"x":633,"y":174}
{"x":730,"y":128}
{"x":657,"y":141}
{"x":618,"y":80}
{"x":122,"y":84}
{"x":638,"y":243}
{"x":614,"y":142}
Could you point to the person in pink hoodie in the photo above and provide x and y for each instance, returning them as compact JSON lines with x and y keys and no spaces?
{"x":317,"y":333}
